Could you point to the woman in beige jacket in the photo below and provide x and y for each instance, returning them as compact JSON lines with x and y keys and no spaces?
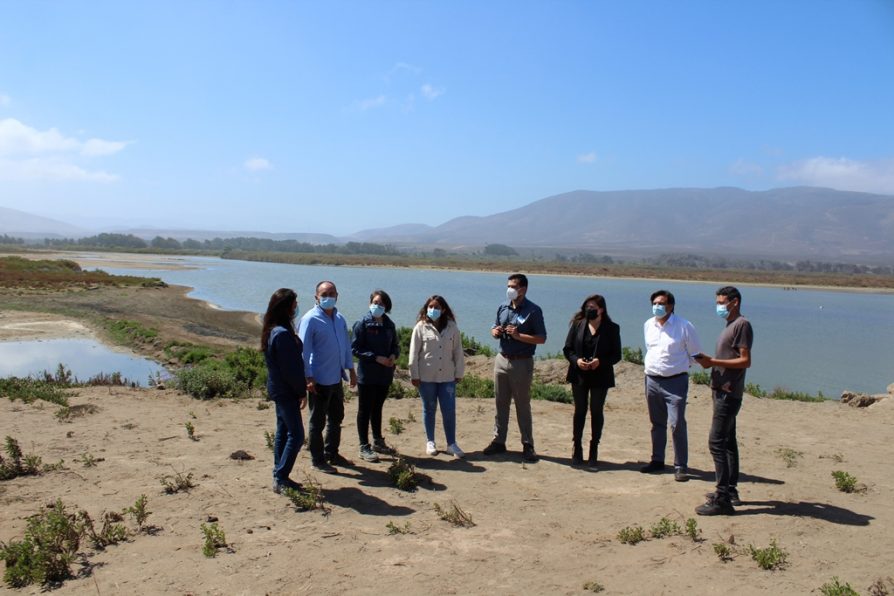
{"x":436,"y":366}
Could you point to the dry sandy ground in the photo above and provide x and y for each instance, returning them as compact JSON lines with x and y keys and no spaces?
{"x":543,"y":528}
{"x":35,"y":326}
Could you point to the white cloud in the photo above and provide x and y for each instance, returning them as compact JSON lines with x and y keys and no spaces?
{"x":842,"y":173}
{"x":5,"y":100}
{"x":587,"y":157}
{"x":430,"y":92}
{"x":49,"y":168}
{"x":370,"y":103}
{"x":743,"y":167}
{"x":30,"y":154}
{"x":257,"y":164}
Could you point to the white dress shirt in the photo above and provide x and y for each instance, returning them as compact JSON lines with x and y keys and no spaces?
{"x":669,"y":347}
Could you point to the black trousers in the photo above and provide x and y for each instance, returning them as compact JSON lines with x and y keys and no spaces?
{"x":327,"y":409}
{"x":371,"y":399}
{"x":722,"y":441}
{"x":594,"y":397}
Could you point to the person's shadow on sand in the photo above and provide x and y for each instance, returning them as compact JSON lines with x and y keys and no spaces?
{"x":351,"y":497}
{"x":822,"y":511}
{"x":378,"y":476}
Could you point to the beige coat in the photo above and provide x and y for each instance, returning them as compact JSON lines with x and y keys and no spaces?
{"x":436,"y":357}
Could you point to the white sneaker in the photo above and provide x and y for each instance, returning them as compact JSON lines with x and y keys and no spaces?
{"x":455,"y":451}
{"x":430,"y":448}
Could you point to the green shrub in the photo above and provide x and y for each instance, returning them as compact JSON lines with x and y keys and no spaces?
{"x":139,"y":511}
{"x":472,"y":386}
{"x":248,"y":366}
{"x":19,"y":464}
{"x":214,"y":539}
{"x":844,"y":482}
{"x":472,"y":347}
{"x":28,"y":390}
{"x":131,"y":332}
{"x":785,"y":394}
{"x":632,"y":355}
{"x":771,"y":557}
{"x":755,"y":390}
{"x":395,"y":425}
{"x":551,"y":392}
{"x":398,"y":390}
{"x":835,"y":588}
{"x":665,"y":527}
{"x":208,"y":379}
{"x":187,"y":353}
{"x":403,"y":474}
{"x":700,"y":377}
{"x":403,"y":342}
{"x":455,"y":515}
{"x":47,"y":550}
{"x":631,"y":535}
{"x":692,"y":530}
{"x":723,"y":551}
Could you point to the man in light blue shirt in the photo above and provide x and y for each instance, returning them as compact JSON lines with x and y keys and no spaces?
{"x":327,"y":355}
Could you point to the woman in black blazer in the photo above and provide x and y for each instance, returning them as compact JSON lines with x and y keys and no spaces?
{"x":592,"y":348}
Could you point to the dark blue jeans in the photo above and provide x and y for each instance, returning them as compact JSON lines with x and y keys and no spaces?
{"x":371,"y":400}
{"x":289,"y":437}
{"x":327,"y":410}
{"x":722,"y":441}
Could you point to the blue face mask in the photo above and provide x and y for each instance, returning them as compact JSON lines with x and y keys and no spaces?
{"x":376,"y":310}
{"x":327,"y":302}
{"x":722,"y":311}
{"x":434,"y":313}
{"x":659,"y":310}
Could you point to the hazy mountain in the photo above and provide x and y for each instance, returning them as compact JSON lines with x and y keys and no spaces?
{"x":25,"y":225}
{"x":785,"y":222}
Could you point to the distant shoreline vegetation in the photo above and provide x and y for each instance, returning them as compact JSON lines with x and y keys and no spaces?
{"x":492,"y":257}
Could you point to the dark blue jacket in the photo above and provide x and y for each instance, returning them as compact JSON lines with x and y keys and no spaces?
{"x":372,"y":339}
{"x":285,"y":366}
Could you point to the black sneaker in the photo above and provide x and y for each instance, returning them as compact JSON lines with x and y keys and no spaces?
{"x":680,"y":475}
{"x":367,"y":454}
{"x":734,"y":497}
{"x":379,"y":446}
{"x":494,"y":448}
{"x":714,"y":506}
{"x":652,"y":467}
{"x":336,"y":459}
{"x":528,"y":453}
{"x":324,"y":467}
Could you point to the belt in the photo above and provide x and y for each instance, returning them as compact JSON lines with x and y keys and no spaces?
{"x":676,"y":376}
{"x":514,"y":356}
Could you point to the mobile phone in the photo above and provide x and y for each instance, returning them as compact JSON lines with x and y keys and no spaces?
{"x":697,"y":356}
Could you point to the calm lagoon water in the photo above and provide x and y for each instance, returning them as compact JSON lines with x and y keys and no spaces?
{"x":86,"y":358}
{"x":805,"y":340}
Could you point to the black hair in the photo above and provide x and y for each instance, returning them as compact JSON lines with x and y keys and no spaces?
{"x":666,"y":294}
{"x":731,"y":293}
{"x":520,"y":278}
{"x":581,"y":314}
{"x":446,"y":312}
{"x":279,"y":314}
{"x":386,"y":299}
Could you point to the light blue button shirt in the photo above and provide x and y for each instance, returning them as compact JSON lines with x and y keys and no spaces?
{"x":327,"y":351}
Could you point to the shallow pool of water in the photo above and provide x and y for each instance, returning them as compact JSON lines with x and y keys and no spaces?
{"x":84,"y":357}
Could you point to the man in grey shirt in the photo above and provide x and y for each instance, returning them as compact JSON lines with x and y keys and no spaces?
{"x":733,"y":357}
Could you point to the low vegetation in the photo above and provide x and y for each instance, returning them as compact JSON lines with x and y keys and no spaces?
{"x":769,"y":558}
{"x":238,"y":374}
{"x":18,"y":464}
{"x":836,"y":588}
{"x":308,"y":497}
{"x":634,"y":355}
{"x":18,"y":272}
{"x":454,"y":514}
{"x":214,"y":539}
{"x":845,"y":482}
{"x":393,"y":528}
{"x":789,"y":456}
{"x":403,"y":474}
{"x":177,"y":482}
{"x":631,"y":535}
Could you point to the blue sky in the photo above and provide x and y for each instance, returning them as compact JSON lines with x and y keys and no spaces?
{"x":339,"y":116}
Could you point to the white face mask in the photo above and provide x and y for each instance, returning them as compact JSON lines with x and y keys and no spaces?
{"x":511,"y":293}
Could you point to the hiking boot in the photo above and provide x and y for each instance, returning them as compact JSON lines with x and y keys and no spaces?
{"x":454,"y":450}
{"x":367,"y":454}
{"x":495,"y":448}
{"x":593,"y":460}
{"x":528,"y":453}
{"x":734,"y":496}
{"x":379,"y":446}
{"x":337,"y":459}
{"x":324,"y":467}
{"x":577,"y":455}
{"x":680,"y":475}
{"x":714,"y":506}
{"x":652,"y":467}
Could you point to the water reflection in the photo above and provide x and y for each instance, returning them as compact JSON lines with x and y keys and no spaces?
{"x":84,"y":357}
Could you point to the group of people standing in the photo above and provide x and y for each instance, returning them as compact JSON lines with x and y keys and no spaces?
{"x":308,"y":363}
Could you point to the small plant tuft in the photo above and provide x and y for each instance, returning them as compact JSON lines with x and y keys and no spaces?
{"x":632,"y":355}
{"x":665,"y":527}
{"x":87,"y":460}
{"x":396,"y":529}
{"x":836,"y":588}
{"x":692,"y":530}
{"x":191,"y":431}
{"x":593,"y":586}
{"x":723,"y":551}
{"x":769,"y":558}
{"x":846,"y":483}
{"x":789,"y":456}
{"x":403,"y":474}
{"x":455,"y":515}
{"x":177,"y":483}
{"x":214,"y":539}
{"x":47,"y":550}
{"x":631,"y":535}
{"x":395,"y":425}
{"x":269,"y":437}
{"x":308,"y":497}
{"x":139,"y":511}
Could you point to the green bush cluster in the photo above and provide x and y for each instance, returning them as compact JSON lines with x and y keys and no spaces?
{"x":846,"y":483}
{"x":472,"y":347}
{"x":771,"y":557}
{"x":29,"y":389}
{"x":187,"y":353}
{"x":550,"y":392}
{"x":403,"y":474}
{"x":472,"y":386}
{"x":131,"y":332}
{"x":240,"y":373}
{"x":700,"y":377}
{"x":19,"y":464}
{"x":46,"y":551}
{"x":785,"y":394}
{"x":634,"y":355}
{"x":836,"y":588}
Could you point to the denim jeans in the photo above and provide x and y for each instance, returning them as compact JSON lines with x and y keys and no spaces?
{"x":596,"y":398}
{"x":327,"y":409}
{"x":666,"y":398}
{"x":722,"y":441}
{"x":289,"y":437}
{"x":433,"y":394}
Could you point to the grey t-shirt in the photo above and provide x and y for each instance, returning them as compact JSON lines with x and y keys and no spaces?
{"x":736,"y":335}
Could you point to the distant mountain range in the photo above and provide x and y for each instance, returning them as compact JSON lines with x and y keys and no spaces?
{"x":783,"y":223}
{"x":779,"y":223}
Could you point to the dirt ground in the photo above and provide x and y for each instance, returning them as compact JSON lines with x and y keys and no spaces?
{"x":543,"y":528}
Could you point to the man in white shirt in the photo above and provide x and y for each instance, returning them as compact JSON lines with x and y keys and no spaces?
{"x":671,"y":343}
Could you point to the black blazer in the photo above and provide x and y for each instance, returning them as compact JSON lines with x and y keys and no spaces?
{"x":608,"y":350}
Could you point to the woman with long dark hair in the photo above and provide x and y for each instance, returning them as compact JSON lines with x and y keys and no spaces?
{"x":286,"y":385}
{"x":592,"y":348}
{"x":436,"y":366}
{"x":375,"y":345}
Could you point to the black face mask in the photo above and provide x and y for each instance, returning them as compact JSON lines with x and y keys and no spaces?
{"x":591,"y":313}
